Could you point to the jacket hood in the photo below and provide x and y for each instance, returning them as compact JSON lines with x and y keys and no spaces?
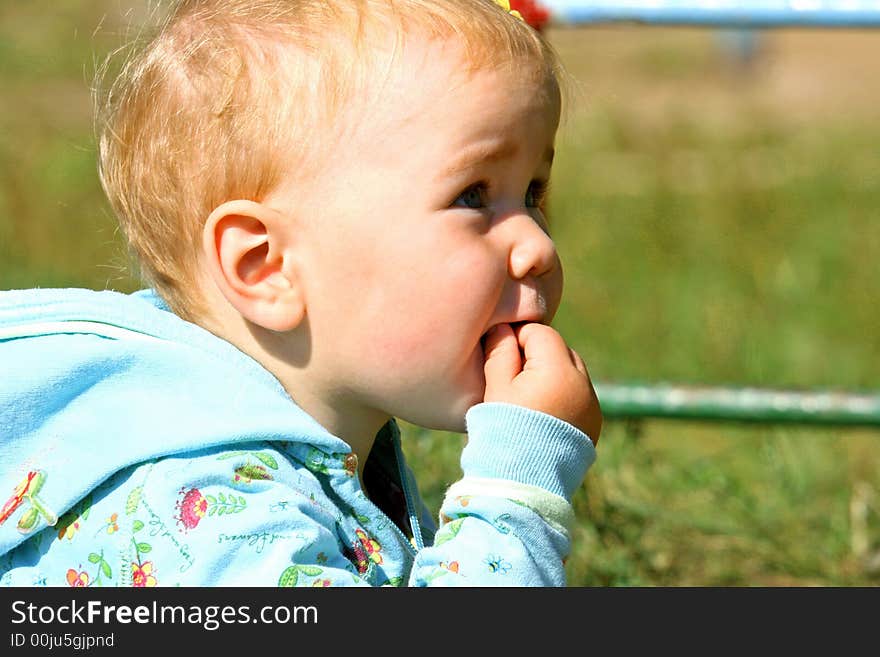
{"x":93,"y":382}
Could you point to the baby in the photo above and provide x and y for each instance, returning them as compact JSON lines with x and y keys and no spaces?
{"x":339,"y":205}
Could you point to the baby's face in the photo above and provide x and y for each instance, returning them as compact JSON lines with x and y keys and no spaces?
{"x":426,"y":232}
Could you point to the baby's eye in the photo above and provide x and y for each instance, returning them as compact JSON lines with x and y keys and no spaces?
{"x":474,"y":197}
{"x":536,"y":194}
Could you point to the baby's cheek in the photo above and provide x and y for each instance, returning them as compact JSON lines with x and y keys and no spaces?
{"x":424,"y":349}
{"x":554,"y":289}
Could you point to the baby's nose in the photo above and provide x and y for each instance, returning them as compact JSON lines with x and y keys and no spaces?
{"x":532,"y":251}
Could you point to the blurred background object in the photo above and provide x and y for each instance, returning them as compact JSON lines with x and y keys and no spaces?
{"x":533,"y":12}
{"x":719,"y":226}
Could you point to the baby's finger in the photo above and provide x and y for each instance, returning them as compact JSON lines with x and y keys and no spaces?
{"x":578,"y":362}
{"x":503,"y":361}
{"x":541,"y":344}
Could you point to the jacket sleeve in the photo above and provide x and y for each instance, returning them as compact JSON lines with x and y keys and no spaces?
{"x":506,"y":522}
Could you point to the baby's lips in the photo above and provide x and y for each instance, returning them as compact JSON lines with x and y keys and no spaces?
{"x":515,"y":325}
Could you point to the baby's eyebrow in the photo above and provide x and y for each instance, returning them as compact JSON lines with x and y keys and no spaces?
{"x":488,"y":151}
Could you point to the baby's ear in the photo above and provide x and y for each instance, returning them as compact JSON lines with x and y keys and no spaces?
{"x":247,"y":252}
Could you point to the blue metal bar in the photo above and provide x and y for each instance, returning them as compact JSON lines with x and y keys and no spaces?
{"x":726,"y":13}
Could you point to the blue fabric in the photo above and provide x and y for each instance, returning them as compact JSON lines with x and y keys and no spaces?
{"x":139,"y":449}
{"x":509,"y":449}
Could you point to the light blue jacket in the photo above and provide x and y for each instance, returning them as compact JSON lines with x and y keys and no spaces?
{"x":138,"y":449}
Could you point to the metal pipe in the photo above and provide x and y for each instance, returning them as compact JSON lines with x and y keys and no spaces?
{"x":739,"y":404}
{"x":726,"y":13}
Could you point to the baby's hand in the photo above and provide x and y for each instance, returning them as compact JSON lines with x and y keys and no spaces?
{"x":533,"y":367}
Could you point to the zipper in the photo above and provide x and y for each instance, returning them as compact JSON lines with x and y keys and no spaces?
{"x":411,"y":511}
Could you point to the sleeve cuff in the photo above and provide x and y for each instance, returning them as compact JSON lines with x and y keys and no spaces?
{"x":511,"y":442}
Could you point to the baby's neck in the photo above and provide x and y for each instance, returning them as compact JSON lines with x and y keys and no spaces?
{"x":355,"y":426}
{"x":328,"y":405}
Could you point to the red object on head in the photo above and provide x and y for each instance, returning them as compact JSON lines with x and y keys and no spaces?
{"x":532,"y":12}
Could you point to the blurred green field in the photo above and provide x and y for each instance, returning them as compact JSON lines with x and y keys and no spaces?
{"x":719,"y":223}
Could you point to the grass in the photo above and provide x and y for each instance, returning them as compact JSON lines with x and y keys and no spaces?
{"x":718,"y":224}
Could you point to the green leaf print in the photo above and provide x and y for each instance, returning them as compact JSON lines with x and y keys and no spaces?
{"x":267,"y":459}
{"x":315,"y":461}
{"x":134,"y":499}
{"x":28,"y":520}
{"x":103,"y":568}
{"x":136,"y":526}
{"x":230,"y":455}
{"x":143,"y":548}
{"x":222,"y":504}
{"x":288,"y":577}
{"x":448,"y":531}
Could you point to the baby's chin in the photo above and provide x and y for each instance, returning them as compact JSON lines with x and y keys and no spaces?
{"x":443,"y":408}
{"x":448,"y":416}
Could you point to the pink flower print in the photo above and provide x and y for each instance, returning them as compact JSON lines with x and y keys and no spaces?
{"x":142,"y":574}
{"x":191,"y":508}
{"x":321,"y":583}
{"x":77,"y":579}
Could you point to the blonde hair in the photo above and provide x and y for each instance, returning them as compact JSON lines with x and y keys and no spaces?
{"x":229,"y":97}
